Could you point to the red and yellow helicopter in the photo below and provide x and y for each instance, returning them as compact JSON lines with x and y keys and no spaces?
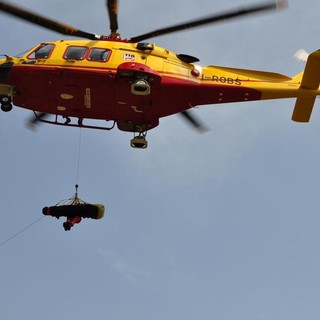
{"x":132,"y":83}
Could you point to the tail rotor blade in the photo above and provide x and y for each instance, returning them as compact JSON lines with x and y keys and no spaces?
{"x":301,"y":55}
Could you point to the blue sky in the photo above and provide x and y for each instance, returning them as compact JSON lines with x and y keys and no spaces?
{"x":223,"y":225}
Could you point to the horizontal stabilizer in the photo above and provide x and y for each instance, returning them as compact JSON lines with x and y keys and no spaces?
{"x":310,"y":81}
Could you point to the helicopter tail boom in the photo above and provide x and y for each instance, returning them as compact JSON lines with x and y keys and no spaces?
{"x":309,"y":89}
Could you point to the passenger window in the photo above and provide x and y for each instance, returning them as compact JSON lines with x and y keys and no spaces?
{"x":42,"y":52}
{"x":99,"y":54}
{"x":75,"y":53}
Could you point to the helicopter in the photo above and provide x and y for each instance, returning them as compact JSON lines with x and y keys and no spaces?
{"x":132,"y":83}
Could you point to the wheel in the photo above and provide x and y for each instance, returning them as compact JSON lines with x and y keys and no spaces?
{"x":5,"y":100}
{"x":6,"y":107}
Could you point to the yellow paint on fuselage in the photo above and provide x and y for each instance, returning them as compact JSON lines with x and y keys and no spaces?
{"x":271,"y":85}
{"x":159,"y":59}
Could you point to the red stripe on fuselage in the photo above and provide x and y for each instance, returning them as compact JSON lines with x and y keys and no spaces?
{"x":97,"y":93}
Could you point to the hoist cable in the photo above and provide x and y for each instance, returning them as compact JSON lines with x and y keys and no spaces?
{"x":79,"y":154}
{"x":22,"y":230}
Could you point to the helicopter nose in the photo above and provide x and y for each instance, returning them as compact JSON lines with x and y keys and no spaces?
{"x":5,"y":67}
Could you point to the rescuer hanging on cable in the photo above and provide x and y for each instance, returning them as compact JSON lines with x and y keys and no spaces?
{"x":74,"y":210}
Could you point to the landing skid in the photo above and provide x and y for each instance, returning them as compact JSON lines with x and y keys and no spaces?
{"x":66,"y":121}
{"x":138,"y":142}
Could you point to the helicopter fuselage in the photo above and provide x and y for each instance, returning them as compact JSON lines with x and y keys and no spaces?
{"x":132,"y":84}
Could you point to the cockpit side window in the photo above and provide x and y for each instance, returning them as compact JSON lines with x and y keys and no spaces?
{"x":99,"y":54}
{"x":42,"y":52}
{"x":75,"y":53}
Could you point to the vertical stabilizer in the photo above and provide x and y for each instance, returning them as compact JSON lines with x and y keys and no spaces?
{"x":309,"y":89}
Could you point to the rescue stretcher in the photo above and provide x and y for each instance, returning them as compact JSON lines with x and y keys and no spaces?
{"x":74,"y":210}
{"x":93,"y":211}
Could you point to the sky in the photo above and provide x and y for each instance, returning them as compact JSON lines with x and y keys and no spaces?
{"x":223,"y":225}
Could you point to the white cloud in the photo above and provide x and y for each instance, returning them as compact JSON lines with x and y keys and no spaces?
{"x":125,"y":270}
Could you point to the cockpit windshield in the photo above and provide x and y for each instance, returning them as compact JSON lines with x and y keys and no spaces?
{"x":42,"y":52}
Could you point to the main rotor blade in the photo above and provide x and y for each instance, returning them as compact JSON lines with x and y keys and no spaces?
{"x":112,"y":6}
{"x":44,"y":22}
{"x":194,"y":121}
{"x":35,"y":120}
{"x":277,"y":4}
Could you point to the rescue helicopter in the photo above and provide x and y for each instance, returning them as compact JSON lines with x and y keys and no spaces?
{"x":132,"y":83}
